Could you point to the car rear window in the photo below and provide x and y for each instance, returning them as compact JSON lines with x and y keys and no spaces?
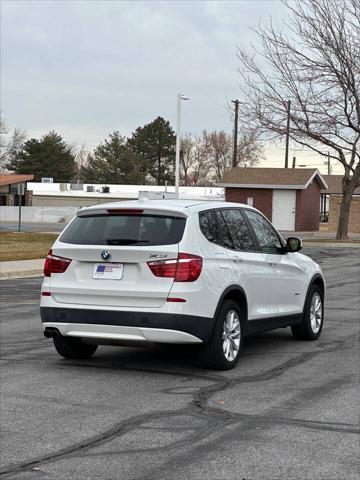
{"x":214,"y":228}
{"x":140,"y":230}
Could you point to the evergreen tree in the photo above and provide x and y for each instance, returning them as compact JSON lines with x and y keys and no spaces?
{"x":154,"y":144}
{"x":49,"y":157}
{"x":112,"y":162}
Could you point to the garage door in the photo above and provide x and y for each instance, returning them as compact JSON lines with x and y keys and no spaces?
{"x":283,"y":210}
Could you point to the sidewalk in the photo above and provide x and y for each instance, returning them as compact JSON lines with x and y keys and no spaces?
{"x":318,"y":235}
{"x":22,"y":268}
{"x":318,"y":243}
{"x":323,"y":239}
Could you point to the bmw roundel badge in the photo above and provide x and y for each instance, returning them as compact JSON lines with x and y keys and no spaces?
{"x":105,"y":255}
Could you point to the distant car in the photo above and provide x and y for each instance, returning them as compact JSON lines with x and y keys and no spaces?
{"x":173,"y":271}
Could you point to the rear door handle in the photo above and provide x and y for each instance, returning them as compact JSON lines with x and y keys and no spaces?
{"x":238,"y":259}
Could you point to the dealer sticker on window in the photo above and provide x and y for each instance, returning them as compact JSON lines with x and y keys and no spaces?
{"x":108,"y":271}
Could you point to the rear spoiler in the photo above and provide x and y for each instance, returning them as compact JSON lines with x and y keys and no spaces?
{"x":131,"y":210}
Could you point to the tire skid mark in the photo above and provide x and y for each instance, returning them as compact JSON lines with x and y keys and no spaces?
{"x":227,"y":418}
{"x":197,"y":408}
{"x":242,"y":426}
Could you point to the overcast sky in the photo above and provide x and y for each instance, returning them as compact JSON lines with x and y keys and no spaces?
{"x":87,"y":68}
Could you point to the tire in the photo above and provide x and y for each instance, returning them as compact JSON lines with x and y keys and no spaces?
{"x":313,"y":319}
{"x":73,"y":348}
{"x":219,"y":352}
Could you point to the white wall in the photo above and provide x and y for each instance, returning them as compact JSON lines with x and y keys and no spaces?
{"x":38,"y":214}
{"x":124,"y":191}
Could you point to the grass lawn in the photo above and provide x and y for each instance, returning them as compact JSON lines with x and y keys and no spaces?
{"x":25,"y":246}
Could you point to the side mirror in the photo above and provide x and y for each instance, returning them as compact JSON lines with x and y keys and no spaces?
{"x":293,"y":244}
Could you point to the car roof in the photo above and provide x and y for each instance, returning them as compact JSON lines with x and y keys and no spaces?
{"x":173,"y":205}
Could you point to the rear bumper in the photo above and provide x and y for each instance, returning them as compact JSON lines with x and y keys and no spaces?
{"x":129,"y":326}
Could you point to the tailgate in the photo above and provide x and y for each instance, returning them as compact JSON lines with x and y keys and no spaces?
{"x":124,"y":279}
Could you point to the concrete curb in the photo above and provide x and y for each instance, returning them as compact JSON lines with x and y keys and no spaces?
{"x":21,"y":268}
{"x":19,"y":274}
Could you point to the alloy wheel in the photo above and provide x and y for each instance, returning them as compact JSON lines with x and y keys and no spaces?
{"x":231,"y":335}
{"x":316,"y":312}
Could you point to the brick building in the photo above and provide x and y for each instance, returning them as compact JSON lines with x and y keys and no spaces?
{"x":9,"y":189}
{"x":290,"y":198}
{"x":332,"y":199}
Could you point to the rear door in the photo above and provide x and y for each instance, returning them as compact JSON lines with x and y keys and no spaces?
{"x":130,"y":239}
{"x":215,"y":250}
{"x":251,"y":266}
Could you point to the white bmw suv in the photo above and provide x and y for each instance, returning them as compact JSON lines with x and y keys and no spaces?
{"x":174,"y":271}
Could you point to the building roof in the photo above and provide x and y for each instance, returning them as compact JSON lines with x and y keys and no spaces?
{"x":10,"y":179}
{"x":122,"y":192}
{"x":279,"y":178}
{"x":335,"y":184}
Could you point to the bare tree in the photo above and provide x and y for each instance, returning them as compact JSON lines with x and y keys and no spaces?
{"x":10,"y":143}
{"x":201,"y":173}
{"x":221,"y":146}
{"x":249,"y":152}
{"x":314,"y":63}
{"x":205,"y":158}
{"x":81,"y":156}
{"x":194,"y":160}
{"x":186,"y":158}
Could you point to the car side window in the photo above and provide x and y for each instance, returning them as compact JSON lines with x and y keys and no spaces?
{"x":214,"y":228}
{"x":268,"y":238}
{"x":239,"y":230}
{"x":208,"y":226}
{"x":224,"y":234}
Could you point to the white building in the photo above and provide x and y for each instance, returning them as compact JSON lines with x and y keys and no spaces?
{"x":81,"y":195}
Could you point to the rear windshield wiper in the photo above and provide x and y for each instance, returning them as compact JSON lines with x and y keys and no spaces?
{"x":124,"y":241}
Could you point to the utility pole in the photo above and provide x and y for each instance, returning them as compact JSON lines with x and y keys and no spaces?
{"x":287,"y":135}
{"x":328,"y":164}
{"x":236,"y":121}
{"x":294,"y":162}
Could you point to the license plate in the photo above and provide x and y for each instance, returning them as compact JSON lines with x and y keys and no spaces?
{"x":108,"y":271}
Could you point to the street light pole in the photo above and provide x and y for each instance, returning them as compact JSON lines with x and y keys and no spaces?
{"x":177,"y":158}
{"x":180,"y":97}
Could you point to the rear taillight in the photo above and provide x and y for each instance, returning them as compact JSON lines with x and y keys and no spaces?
{"x":185,"y":268}
{"x":163,"y":268}
{"x":188,"y":268}
{"x":55,"y":264}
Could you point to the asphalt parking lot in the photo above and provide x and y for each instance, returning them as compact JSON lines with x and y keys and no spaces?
{"x":289,"y":410}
